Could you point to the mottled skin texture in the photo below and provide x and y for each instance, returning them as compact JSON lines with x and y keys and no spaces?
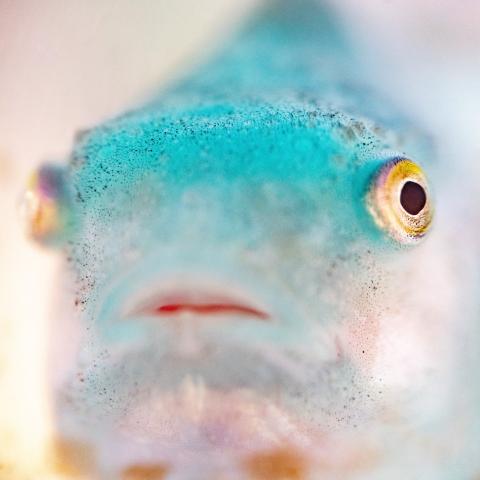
{"x":251,"y":175}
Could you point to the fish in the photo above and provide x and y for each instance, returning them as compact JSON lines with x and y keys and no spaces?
{"x":259,"y":281}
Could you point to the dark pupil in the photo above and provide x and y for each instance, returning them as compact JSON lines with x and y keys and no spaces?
{"x":413,"y":198}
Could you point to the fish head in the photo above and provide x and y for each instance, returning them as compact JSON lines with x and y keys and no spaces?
{"x":245,"y":278}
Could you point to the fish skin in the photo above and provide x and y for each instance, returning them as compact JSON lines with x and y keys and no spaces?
{"x":255,"y":167}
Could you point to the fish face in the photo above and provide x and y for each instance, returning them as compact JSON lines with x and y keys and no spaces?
{"x":241,"y":291}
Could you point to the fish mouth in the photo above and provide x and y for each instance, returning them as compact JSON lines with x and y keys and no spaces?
{"x":201,"y":319}
{"x":199,"y":298}
{"x":208,"y":308}
{"x":229,"y":333}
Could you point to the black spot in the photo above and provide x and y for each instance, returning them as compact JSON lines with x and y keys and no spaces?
{"x":413,"y":198}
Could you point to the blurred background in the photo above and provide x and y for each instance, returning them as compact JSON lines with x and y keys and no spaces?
{"x":67,"y":65}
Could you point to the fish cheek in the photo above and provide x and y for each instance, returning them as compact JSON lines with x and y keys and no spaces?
{"x":360,"y":341}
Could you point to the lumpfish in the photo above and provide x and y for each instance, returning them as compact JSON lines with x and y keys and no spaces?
{"x":260,"y":282}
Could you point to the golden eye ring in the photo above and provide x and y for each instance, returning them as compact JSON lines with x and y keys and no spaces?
{"x":400,"y":202}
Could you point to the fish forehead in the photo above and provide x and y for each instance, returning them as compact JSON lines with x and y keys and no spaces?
{"x":228,"y":141}
{"x":286,"y":166}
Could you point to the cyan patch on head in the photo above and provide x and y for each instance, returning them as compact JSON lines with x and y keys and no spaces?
{"x":230,"y":148}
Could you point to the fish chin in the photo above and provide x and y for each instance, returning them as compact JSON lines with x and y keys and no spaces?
{"x":196,"y":418}
{"x":195,"y":429}
{"x":152,"y":406}
{"x":195,"y":425}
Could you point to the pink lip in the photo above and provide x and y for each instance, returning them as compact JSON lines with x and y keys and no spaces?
{"x":209,"y":308}
{"x":197,"y":297}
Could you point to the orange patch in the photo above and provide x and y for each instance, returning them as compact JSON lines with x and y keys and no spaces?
{"x":280,"y":464}
{"x":145,"y":472}
{"x":72,"y":458}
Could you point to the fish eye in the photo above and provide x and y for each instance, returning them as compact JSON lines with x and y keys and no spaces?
{"x":399,"y":200}
{"x":43,"y":206}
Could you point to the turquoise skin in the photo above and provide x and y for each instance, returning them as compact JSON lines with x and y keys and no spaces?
{"x":253,"y":172}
